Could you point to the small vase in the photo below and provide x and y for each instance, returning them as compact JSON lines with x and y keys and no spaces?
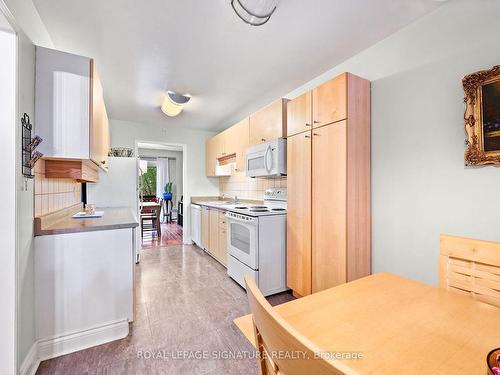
{"x":167,"y":196}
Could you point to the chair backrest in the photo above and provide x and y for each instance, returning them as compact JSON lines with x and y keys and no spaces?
{"x":282,"y":349}
{"x":472,"y":267}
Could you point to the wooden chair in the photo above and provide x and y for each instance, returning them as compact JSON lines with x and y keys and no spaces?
{"x":150,"y":220}
{"x":471,"y":267}
{"x":274,"y":335}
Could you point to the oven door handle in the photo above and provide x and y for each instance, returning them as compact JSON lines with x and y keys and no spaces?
{"x":251,"y":221}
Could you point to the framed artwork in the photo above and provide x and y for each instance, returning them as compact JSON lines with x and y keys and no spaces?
{"x":482,"y":117}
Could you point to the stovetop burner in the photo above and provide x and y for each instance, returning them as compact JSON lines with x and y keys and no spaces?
{"x":259,"y":207}
{"x":278,"y":209}
{"x":241,"y":208}
{"x":259,"y":210}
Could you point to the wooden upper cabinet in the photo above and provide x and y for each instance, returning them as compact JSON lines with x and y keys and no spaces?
{"x":268,"y":123}
{"x":99,"y":130}
{"x":299,"y":213}
{"x":299,"y":114}
{"x":236,"y":141}
{"x":330,"y":101}
{"x":69,"y":108}
{"x":212,"y":148}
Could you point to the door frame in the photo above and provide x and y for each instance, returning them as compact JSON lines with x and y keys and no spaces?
{"x":186,"y":237}
{"x":9,"y":221}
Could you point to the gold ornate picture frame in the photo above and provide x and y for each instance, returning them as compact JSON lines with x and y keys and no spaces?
{"x":482,"y":117}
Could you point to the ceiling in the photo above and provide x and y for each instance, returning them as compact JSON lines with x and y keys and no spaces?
{"x":201,"y":47}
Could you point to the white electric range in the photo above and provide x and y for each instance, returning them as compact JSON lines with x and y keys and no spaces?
{"x":256,"y":239}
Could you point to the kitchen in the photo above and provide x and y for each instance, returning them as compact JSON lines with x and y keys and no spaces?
{"x":333,"y":182}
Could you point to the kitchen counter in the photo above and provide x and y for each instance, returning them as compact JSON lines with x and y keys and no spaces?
{"x":113,"y":218}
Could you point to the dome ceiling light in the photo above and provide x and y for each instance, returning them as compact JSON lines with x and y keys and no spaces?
{"x":174,"y":103}
{"x":254,"y":12}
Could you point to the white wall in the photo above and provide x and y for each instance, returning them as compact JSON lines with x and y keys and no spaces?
{"x":125,"y":133}
{"x":420,"y":187}
{"x":8,"y":193}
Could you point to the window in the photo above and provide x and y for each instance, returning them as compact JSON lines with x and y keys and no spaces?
{"x":148,"y":181}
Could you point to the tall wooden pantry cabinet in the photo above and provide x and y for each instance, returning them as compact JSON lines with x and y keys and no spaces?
{"x":329,"y":219}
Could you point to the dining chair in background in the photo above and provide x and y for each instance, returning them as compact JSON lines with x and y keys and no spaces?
{"x":150,"y":220}
{"x":273,"y":335}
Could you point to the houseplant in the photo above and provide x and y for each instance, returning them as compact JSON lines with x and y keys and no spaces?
{"x":167,"y":194}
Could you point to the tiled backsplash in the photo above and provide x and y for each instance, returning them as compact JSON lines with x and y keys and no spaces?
{"x":53,"y":194}
{"x":248,"y":188}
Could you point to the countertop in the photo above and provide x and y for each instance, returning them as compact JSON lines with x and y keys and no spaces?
{"x":113,"y":218}
{"x":221,"y":203}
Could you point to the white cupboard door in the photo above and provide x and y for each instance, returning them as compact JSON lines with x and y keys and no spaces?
{"x":62,"y":102}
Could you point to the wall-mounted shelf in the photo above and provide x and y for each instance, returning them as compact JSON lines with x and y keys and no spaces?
{"x":30,"y":156}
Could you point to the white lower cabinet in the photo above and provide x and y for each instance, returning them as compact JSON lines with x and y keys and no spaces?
{"x":83,"y":289}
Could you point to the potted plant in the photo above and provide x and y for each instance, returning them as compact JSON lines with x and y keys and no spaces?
{"x":167,"y":194}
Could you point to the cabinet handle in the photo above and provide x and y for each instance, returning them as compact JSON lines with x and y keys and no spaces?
{"x":316,"y":122}
{"x":263,"y":139}
{"x":308,"y":124}
{"x":316,"y":134}
{"x":308,"y":136}
{"x":103,"y":161}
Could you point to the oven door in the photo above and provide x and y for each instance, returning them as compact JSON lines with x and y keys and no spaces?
{"x":242,"y":240}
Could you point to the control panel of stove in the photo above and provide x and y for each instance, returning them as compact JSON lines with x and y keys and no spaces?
{"x":276,"y":194}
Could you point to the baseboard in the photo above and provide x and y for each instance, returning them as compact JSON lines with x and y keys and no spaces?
{"x":55,"y":347}
{"x":31,"y":361}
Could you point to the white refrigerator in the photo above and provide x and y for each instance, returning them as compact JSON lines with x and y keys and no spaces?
{"x":118,"y":188}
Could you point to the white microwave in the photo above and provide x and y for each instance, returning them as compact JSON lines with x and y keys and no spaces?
{"x":267,"y":159}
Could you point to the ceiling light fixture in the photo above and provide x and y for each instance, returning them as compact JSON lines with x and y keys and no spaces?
{"x":254,"y":12}
{"x":174,"y":103}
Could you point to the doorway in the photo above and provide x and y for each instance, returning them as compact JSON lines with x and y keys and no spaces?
{"x":162,"y":181}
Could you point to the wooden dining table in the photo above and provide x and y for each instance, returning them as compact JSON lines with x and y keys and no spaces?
{"x":388,"y":324}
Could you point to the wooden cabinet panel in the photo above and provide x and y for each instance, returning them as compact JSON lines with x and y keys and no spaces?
{"x":299,"y":114}
{"x":99,"y":126}
{"x":222,"y":253}
{"x":205,"y":227}
{"x":211,"y":156}
{"x":80,"y":170}
{"x":213,"y":241}
{"x":268,"y":123}
{"x":236,"y":141}
{"x":299,"y":213}
{"x":330,"y":101}
{"x":329,"y":191}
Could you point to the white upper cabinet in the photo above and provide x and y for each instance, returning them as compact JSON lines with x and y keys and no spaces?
{"x":70,"y":114}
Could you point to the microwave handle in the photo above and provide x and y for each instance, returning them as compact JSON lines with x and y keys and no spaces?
{"x":266,"y":158}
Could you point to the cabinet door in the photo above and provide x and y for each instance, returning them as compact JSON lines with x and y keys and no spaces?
{"x":299,"y":114}
{"x":210,"y":156}
{"x":98,"y":128}
{"x":237,"y":141}
{"x":222,"y":254}
{"x":330,"y":101}
{"x":329,"y":192}
{"x":268,"y":123}
{"x":299,"y":213}
{"x":62,"y":102}
{"x":213,"y":247}
{"x":205,"y":228}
